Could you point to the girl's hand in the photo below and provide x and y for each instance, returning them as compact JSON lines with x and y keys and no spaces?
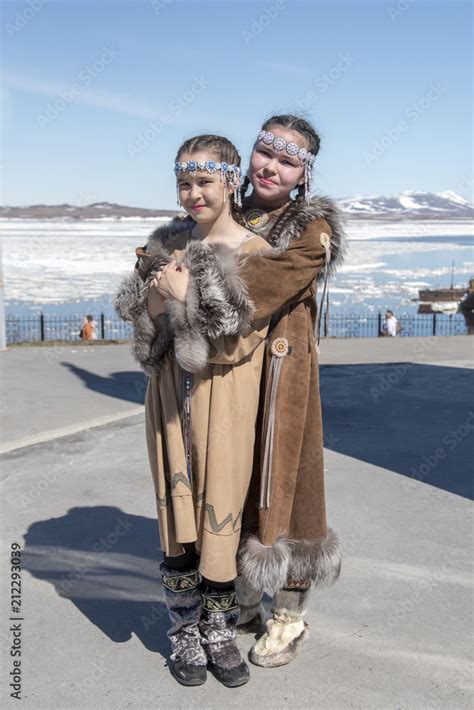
{"x":173,"y":281}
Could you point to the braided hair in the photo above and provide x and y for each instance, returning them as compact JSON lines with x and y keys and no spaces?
{"x":223,"y":150}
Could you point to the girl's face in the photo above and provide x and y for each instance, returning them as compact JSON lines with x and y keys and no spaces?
{"x":274,"y":175}
{"x":201,"y":193}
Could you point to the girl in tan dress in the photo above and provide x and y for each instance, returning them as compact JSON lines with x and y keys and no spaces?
{"x":201,"y":403}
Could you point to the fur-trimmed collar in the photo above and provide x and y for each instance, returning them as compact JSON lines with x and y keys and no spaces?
{"x":289,"y":226}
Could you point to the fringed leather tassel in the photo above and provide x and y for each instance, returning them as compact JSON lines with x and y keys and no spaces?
{"x":280,"y":349}
{"x":187,"y":384}
{"x":275,"y":370}
{"x":325,"y":297}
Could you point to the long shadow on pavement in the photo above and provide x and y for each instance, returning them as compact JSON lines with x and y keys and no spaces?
{"x":106,"y":562}
{"x":130,"y":385}
{"x":413,"y":419}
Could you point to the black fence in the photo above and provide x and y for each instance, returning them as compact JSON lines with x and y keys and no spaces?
{"x":35,"y":329}
{"x":31,"y":329}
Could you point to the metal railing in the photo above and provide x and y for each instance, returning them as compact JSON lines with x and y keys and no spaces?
{"x":42,"y":327}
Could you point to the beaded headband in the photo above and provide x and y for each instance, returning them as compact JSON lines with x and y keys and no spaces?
{"x":307,"y":158}
{"x":230,"y":173}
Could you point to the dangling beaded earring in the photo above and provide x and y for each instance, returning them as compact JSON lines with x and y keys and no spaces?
{"x":237,"y":193}
{"x":178,"y":201}
{"x":308,"y":179}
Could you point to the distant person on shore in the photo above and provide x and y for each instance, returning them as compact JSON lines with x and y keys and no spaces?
{"x":88,"y":330}
{"x":391,"y":327}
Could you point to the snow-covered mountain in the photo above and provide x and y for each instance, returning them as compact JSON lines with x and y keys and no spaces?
{"x":408,"y":205}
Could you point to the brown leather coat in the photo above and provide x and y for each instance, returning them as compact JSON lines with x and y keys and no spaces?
{"x":288,"y":539}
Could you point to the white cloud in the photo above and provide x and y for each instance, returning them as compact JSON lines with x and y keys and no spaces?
{"x":112,"y":101}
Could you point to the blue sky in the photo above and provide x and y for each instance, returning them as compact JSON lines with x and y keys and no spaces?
{"x":98,"y":94}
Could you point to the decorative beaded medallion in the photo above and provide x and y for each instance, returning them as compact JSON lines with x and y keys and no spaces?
{"x":255,"y":218}
{"x":280,"y":347}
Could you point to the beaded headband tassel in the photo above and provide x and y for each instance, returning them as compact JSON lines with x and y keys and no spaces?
{"x":230,"y":174}
{"x":307,"y":158}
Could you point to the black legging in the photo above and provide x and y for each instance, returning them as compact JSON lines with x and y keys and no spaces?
{"x":190,"y":559}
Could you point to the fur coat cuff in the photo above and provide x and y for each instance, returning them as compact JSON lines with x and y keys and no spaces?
{"x":268,"y":568}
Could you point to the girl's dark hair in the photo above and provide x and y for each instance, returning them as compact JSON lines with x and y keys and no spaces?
{"x":219,"y":147}
{"x":294,"y":123}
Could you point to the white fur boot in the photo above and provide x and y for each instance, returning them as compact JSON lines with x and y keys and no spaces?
{"x":286,"y":631}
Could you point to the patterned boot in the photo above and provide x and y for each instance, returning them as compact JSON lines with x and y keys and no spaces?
{"x":286,"y":631}
{"x":252,"y":613}
{"x":220,"y":614}
{"x":183,"y":600}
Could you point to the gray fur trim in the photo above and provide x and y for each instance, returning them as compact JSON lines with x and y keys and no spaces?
{"x":130,"y":299}
{"x":152,"y":338}
{"x":293,"y":222}
{"x":318,"y":560}
{"x":268,"y":568}
{"x":264,"y":567}
{"x":218,"y":302}
{"x":191,"y":348}
{"x":160,"y":235}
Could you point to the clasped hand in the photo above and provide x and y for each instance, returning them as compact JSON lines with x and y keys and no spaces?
{"x":172,"y":281}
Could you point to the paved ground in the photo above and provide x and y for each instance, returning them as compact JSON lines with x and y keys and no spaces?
{"x":395,"y":632}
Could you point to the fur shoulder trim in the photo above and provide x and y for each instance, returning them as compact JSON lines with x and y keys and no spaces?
{"x":267,"y":568}
{"x":159,"y":236}
{"x":293,"y":222}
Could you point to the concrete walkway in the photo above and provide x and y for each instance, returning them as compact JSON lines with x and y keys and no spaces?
{"x":394,"y":632}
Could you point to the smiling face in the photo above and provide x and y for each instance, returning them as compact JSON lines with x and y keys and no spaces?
{"x":275,"y":174}
{"x":201,"y":193}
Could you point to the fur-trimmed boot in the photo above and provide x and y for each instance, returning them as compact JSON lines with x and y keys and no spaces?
{"x":183,"y":599}
{"x":286,"y":631}
{"x":252,"y":613}
{"x":220,"y":614}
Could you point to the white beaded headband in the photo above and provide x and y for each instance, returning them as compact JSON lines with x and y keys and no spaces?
{"x":229,"y":172}
{"x":307,"y":158}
